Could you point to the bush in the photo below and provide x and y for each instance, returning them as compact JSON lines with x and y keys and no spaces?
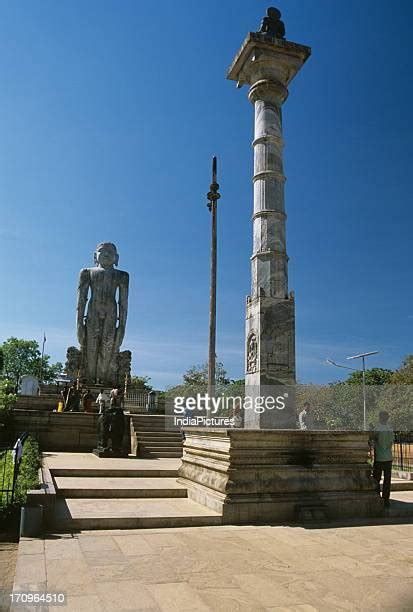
{"x":27,"y":479}
{"x":7,"y":397}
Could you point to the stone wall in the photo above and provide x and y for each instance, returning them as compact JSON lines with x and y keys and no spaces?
{"x":66,"y":431}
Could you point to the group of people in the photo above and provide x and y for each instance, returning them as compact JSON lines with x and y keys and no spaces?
{"x":83,"y":400}
{"x":381,"y":444}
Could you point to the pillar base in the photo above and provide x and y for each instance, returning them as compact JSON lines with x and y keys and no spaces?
{"x":262,"y":476}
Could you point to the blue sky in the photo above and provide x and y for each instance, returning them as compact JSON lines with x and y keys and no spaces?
{"x":109,"y":115}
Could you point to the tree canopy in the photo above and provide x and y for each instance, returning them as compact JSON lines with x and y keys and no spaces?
{"x":140,"y":383}
{"x":374,"y":376}
{"x":24,"y":357}
{"x":197,"y":375}
{"x":340,"y":405}
{"x":404,"y":375}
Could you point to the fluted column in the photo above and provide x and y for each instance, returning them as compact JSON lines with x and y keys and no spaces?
{"x":267,"y":65}
{"x":269,"y":258}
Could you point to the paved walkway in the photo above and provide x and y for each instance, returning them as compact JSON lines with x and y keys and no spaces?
{"x":368,"y":568}
{"x":8,"y":558}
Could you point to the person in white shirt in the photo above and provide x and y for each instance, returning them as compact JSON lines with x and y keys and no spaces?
{"x":102,"y":400}
{"x":383,"y":438}
{"x":305,"y":418}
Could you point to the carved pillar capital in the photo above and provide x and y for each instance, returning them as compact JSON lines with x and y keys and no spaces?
{"x":268,"y":91}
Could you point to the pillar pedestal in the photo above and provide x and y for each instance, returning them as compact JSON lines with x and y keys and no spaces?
{"x":279,"y":476}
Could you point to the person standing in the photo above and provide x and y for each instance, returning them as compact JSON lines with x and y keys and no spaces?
{"x":383,"y":438}
{"x":102,"y":400}
{"x":87,"y":401}
{"x":305,"y":418}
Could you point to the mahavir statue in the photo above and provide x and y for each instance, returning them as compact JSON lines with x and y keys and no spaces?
{"x":271,"y":25}
{"x":102,"y":308}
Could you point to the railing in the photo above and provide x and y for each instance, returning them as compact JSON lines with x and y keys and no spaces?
{"x":138,"y":401}
{"x":403,"y":451}
{"x":10,"y":459}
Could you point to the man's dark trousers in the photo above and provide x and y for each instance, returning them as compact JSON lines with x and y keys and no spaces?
{"x":385,"y":468}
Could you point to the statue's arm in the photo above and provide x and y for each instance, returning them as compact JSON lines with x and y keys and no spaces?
{"x":123,"y":306}
{"x":84,"y":283}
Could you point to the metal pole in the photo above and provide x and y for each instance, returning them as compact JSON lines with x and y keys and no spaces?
{"x":213,"y":196}
{"x":364,"y":395}
{"x":41,"y":361}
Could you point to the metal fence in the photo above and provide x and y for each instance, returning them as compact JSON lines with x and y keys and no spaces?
{"x":403,"y":451}
{"x":10,"y":459}
{"x":138,"y":401}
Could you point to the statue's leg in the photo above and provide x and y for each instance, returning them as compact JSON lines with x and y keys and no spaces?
{"x":107,"y":358}
{"x":92,"y":331}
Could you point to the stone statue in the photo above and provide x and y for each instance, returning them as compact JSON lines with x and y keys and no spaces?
{"x":252,"y":353}
{"x":111,"y":426}
{"x":272,"y":25}
{"x":102,"y":308}
{"x":73,"y":362}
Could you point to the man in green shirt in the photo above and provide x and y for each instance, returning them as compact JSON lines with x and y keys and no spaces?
{"x":383,"y":437}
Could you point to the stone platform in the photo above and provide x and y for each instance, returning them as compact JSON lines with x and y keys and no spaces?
{"x":279,"y":476}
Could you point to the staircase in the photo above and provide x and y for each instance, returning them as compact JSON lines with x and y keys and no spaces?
{"x":128,"y":494}
{"x":152,"y":437}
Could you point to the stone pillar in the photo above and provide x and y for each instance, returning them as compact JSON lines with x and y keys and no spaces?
{"x":268,"y":64}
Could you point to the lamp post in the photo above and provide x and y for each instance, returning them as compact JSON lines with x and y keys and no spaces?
{"x":361,"y":356}
{"x":213,"y":196}
{"x":42,"y":360}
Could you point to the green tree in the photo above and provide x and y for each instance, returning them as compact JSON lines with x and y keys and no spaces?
{"x":197,"y":375}
{"x":195,"y":380}
{"x":404,"y":375}
{"x":7,"y":395}
{"x":24,"y":357}
{"x":374,"y":376}
{"x":140,"y":383}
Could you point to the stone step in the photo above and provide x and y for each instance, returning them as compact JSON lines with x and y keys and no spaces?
{"x":152,"y":429}
{"x":402,"y":485}
{"x":401,"y":504}
{"x":152,"y":433}
{"x":157,"y":424}
{"x":75,"y":514}
{"x":160,"y":443}
{"x":159,"y":454}
{"x":158,"y":440}
{"x":118,"y":487}
{"x":84,"y":472}
{"x":165,"y":448}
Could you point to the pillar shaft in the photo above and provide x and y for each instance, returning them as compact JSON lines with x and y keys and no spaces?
{"x":269,"y":258}
{"x":268,"y":64}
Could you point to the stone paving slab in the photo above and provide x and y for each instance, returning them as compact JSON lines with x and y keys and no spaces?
{"x":59,"y":460}
{"x":401,"y":504}
{"x":119,"y":487}
{"x":368,"y":568}
{"x":109,"y":513}
{"x":8,"y":558}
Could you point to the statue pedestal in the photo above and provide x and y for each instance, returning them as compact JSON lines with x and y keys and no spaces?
{"x":279,"y":476}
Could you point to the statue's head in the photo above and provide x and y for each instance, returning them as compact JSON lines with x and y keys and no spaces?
{"x":273,"y":13}
{"x":106,"y":255}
